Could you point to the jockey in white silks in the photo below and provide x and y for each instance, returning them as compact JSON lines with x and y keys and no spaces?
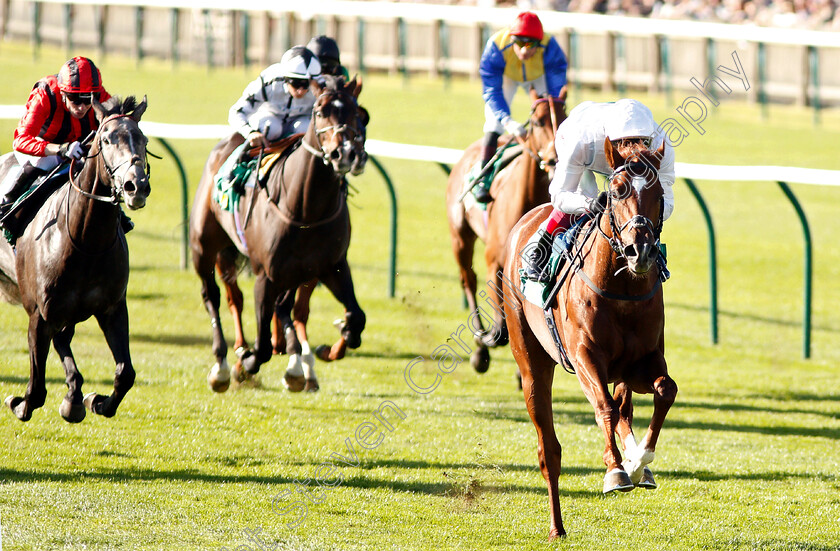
{"x":279,"y":102}
{"x":580,"y":155}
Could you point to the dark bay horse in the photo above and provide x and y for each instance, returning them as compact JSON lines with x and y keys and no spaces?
{"x":294,"y":230}
{"x":72,"y":261}
{"x":611,"y":321}
{"x":516,"y":189}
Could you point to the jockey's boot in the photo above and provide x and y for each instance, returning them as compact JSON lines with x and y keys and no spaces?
{"x":125,"y":222}
{"x":537,"y":258}
{"x":488,"y":149}
{"x":28,"y":175}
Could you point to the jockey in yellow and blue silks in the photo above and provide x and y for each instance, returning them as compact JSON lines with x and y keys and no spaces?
{"x":519,"y":56}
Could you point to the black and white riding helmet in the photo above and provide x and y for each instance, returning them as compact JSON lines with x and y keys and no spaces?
{"x":298,"y":62}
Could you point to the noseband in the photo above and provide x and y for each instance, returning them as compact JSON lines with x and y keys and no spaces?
{"x":544,"y":165}
{"x":635,"y":222}
{"x":116,"y":195}
{"x":321,"y":151}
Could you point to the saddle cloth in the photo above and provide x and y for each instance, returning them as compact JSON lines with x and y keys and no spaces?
{"x":22,"y":212}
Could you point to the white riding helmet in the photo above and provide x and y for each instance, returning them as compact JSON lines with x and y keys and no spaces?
{"x":298,"y":62}
{"x":629,"y":118}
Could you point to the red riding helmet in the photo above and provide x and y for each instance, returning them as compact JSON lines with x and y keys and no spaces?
{"x":79,"y":76}
{"x":528,"y":25}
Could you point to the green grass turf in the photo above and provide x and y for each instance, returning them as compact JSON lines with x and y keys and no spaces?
{"x":747,"y":459}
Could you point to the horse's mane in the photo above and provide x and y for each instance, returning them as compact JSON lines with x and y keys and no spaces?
{"x":115,"y":105}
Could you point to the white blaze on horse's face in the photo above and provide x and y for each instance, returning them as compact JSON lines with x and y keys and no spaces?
{"x":123,"y":150}
{"x":636,"y":228}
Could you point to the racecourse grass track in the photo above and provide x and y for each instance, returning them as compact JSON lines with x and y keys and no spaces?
{"x":747,"y":460}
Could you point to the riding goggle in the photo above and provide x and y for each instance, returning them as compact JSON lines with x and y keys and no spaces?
{"x":525,"y":42}
{"x":79,"y":99}
{"x":298,"y":83}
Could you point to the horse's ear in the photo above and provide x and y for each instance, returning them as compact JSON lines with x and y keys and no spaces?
{"x":139,"y":110}
{"x":564,"y":92}
{"x":614,"y":158}
{"x":660,"y":153}
{"x":534,"y":95}
{"x":98,"y":110}
{"x":355,"y":86}
{"x":364,"y":115}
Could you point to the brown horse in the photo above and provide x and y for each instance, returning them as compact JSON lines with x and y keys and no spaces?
{"x":516,"y":189}
{"x":611,"y":321}
{"x":72,"y":262}
{"x":295,"y":229}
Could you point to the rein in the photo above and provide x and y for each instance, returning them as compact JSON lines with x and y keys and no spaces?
{"x":524,"y":143}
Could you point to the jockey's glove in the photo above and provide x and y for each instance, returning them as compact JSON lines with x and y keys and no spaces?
{"x":73,"y":151}
{"x":514,"y":128}
{"x":599,"y":203}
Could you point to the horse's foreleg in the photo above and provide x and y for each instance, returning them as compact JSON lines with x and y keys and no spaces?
{"x":265,"y":296}
{"x":497,"y":335}
{"x":301,"y":367}
{"x":72,"y":408}
{"x":226,"y":266}
{"x":623,"y":396}
{"x":114,"y":326}
{"x":651,"y":377}
{"x":607,"y":416}
{"x":36,"y":391}
{"x":340,"y":283}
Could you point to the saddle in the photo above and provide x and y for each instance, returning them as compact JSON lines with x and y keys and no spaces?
{"x":250,"y":169}
{"x":23,"y":211}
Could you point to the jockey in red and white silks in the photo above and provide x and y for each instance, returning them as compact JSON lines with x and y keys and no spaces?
{"x":579,"y":143}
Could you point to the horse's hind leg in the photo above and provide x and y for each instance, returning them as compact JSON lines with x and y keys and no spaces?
{"x":72,"y":408}
{"x":226,"y":267}
{"x":115,"y":327}
{"x":651,"y":376}
{"x":537,"y":370}
{"x":36,"y":390}
{"x":463,"y":245}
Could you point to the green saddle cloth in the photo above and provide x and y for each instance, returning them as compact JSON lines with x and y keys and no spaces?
{"x":538,"y":293}
{"x":231,"y":178}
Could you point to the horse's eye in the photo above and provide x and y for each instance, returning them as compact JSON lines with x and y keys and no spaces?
{"x":105,"y":140}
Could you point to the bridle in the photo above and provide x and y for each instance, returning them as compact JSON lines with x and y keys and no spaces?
{"x":357,"y":137}
{"x":637,"y":221}
{"x":116,"y":187}
{"x":545,"y":165}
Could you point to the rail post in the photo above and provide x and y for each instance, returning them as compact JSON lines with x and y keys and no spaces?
{"x":808,"y":275}
{"x":710,"y":229}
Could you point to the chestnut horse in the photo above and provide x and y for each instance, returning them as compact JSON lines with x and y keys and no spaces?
{"x":72,"y":261}
{"x":611,"y":321}
{"x":295,"y":229}
{"x":516,"y":189}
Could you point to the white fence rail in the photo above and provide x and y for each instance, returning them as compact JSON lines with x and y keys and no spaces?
{"x":610,"y":52}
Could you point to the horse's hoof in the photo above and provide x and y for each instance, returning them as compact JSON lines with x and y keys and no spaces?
{"x":322,"y":352}
{"x":647,"y":482}
{"x":219,"y":377}
{"x":93,"y":402}
{"x":249,"y":363}
{"x":480,"y":360}
{"x":238,"y":374}
{"x":241,"y":351}
{"x":16,"y":404}
{"x":295,"y":383}
{"x":72,"y":413}
{"x":617,"y":480}
{"x":311,"y":385}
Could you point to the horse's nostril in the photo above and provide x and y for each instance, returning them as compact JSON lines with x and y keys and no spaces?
{"x":630,"y":251}
{"x":335,"y":155}
{"x":129,"y":187}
